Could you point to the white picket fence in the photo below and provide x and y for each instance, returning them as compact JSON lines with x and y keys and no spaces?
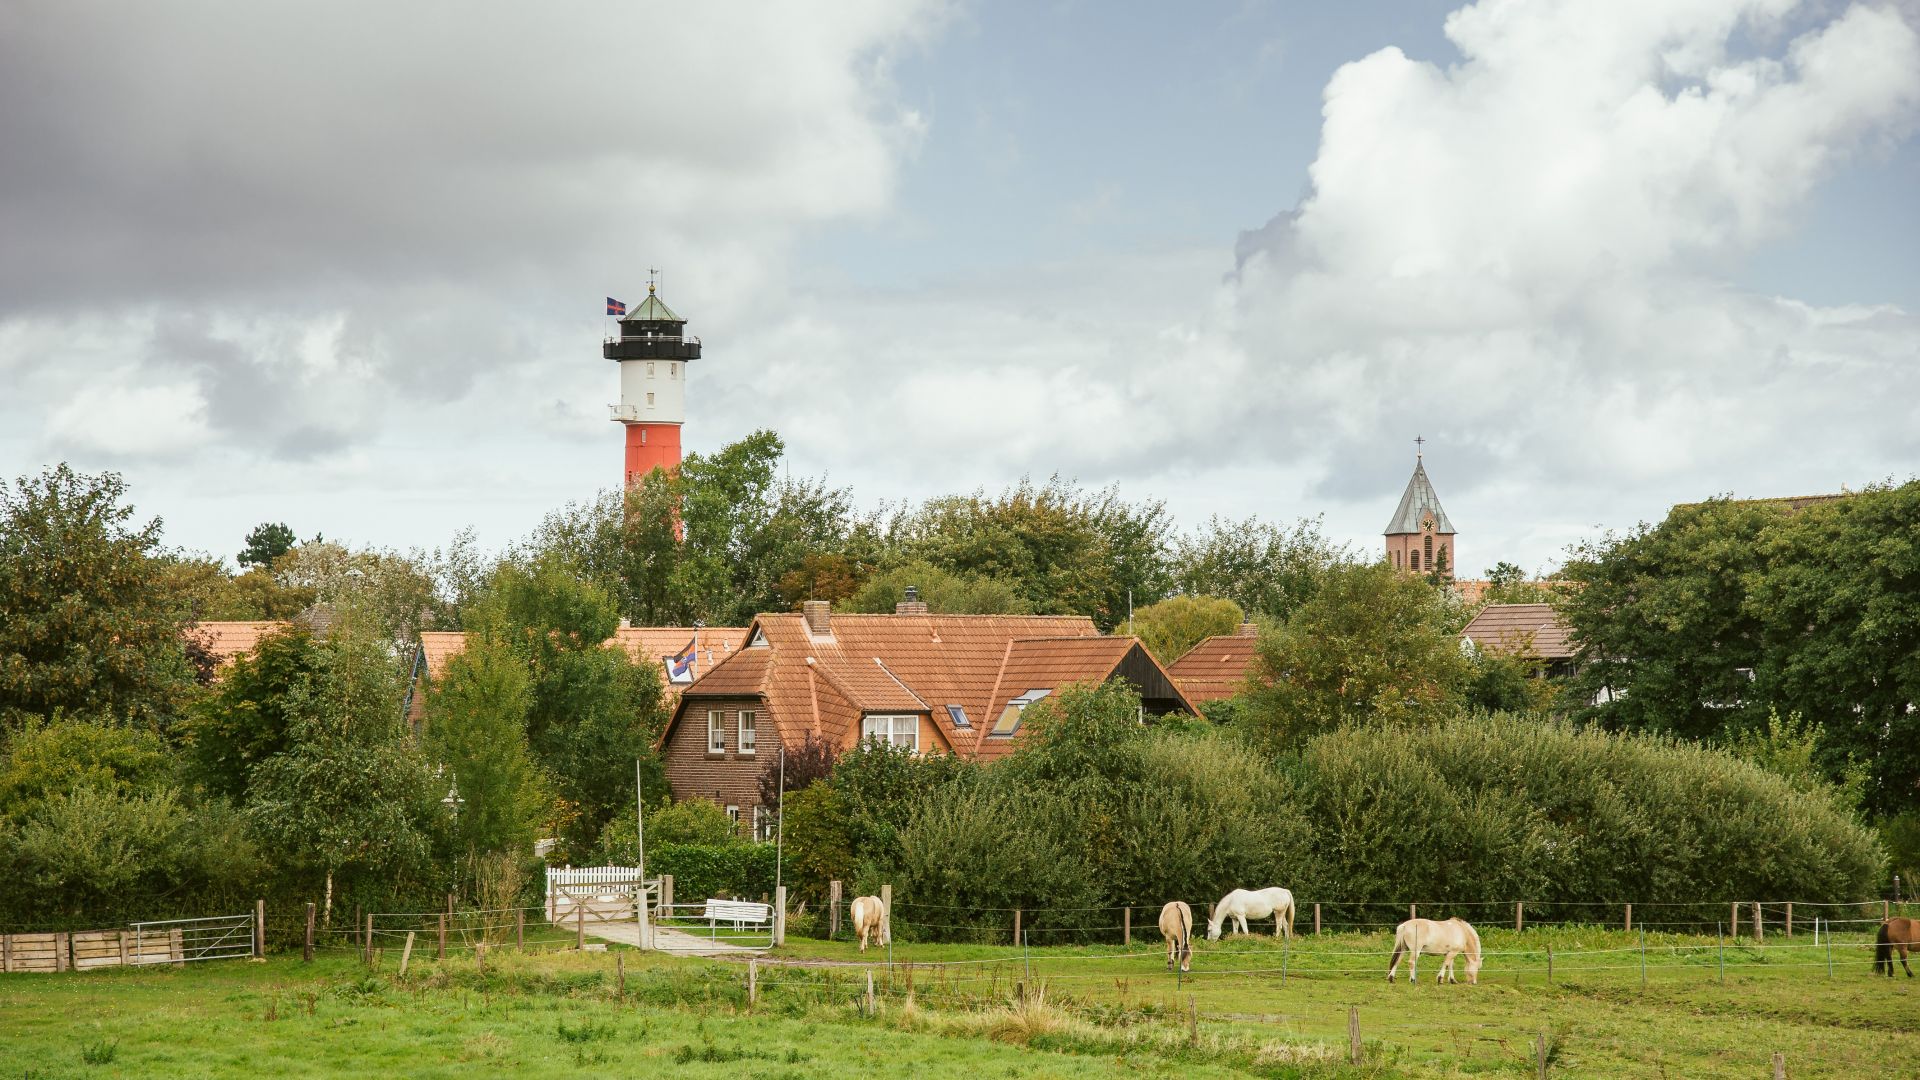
{"x":607,"y":892}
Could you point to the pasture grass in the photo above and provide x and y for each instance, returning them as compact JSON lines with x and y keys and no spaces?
{"x":1082,"y":1012}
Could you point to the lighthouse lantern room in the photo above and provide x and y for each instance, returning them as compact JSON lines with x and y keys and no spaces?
{"x":652,"y":351}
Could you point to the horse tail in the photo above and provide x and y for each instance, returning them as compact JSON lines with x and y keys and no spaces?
{"x":1399,"y":947}
{"x":1883,"y":949}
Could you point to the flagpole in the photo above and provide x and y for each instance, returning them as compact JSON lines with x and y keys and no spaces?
{"x":779,"y":817}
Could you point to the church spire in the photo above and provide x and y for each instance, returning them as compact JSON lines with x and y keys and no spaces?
{"x":1420,"y":537}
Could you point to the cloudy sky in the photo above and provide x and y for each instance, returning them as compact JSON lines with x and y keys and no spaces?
{"x":342,"y":265}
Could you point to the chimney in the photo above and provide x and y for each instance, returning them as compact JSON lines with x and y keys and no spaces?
{"x":912,"y":604}
{"x":819,"y":618}
{"x":1248,"y":629}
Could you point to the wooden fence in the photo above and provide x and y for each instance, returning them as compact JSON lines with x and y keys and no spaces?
{"x":88,"y":950}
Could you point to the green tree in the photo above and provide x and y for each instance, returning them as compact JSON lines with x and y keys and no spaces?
{"x":1373,"y":646}
{"x":89,"y":626}
{"x":266,"y":543}
{"x":1178,"y":623}
{"x":594,"y":712}
{"x":944,"y":592}
{"x":44,"y":759}
{"x":476,"y":728}
{"x":1267,"y":569}
{"x":247,"y":719}
{"x":350,"y":797}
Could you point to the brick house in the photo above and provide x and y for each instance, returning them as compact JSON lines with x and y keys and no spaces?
{"x":933,"y":683}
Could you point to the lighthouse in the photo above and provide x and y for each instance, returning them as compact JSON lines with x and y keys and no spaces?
{"x":652,"y":351}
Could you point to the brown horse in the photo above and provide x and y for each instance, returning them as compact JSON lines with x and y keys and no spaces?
{"x":1896,"y":933}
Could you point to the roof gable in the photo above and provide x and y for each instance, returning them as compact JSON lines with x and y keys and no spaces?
{"x":1513,"y":627}
{"x":1218,"y":667}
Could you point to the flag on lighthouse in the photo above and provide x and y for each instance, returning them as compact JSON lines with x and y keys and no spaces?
{"x":615,"y":307}
{"x":680,"y":664}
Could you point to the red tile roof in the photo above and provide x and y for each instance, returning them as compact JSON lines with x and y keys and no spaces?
{"x":228,"y":641}
{"x":1218,"y":667}
{"x":646,"y":644}
{"x":908,"y":664}
{"x":1513,"y":627}
{"x":822,"y":684}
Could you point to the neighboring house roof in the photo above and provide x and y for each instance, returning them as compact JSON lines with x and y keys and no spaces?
{"x":646,"y":644}
{"x":1471,"y":590}
{"x":1046,"y":664}
{"x":821,"y":683}
{"x":228,"y":641}
{"x":1536,"y":628}
{"x":1218,"y":667}
{"x":1416,"y":503}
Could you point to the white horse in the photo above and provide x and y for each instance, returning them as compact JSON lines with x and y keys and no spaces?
{"x":870,"y":918}
{"x":1244,"y":904}
{"x":1176,"y":922}
{"x":1448,"y":939}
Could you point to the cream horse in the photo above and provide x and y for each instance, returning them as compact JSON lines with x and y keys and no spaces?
{"x":1176,"y":922}
{"x":870,"y":918}
{"x":1448,"y":939}
{"x":1243,"y":904}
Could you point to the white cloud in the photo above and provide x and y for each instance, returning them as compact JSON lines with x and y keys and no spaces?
{"x":130,"y":423}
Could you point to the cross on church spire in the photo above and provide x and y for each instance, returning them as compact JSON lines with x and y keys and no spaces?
{"x":1419,"y":441}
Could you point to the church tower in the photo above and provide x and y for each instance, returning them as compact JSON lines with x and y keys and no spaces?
{"x":1420,"y":538}
{"x":652,"y":351}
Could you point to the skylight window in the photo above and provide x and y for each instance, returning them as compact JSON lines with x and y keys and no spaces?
{"x":959,"y":716}
{"x":1010,"y":717}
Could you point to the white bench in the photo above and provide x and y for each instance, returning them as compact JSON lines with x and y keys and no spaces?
{"x":737,"y":912}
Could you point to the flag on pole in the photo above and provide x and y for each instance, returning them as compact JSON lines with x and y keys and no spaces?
{"x":680,"y":664}
{"x":615,"y":307}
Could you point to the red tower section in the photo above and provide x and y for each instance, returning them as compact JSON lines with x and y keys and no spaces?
{"x":650,"y":447}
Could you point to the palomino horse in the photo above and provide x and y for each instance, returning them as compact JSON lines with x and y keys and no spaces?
{"x":1243,"y":904}
{"x":870,"y":918}
{"x":1176,"y":922}
{"x":1449,"y":939}
{"x":1896,"y":933}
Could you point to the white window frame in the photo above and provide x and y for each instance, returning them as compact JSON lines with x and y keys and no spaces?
{"x":716,"y":731}
{"x":891,"y":732}
{"x":744,"y":723}
{"x":733,"y":815}
{"x":762,"y":823}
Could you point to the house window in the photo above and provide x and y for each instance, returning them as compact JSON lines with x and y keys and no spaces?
{"x":762,"y":824}
{"x":716,"y":732}
{"x":673,"y":371}
{"x":1010,"y":717}
{"x":959,"y":717}
{"x":746,"y":731}
{"x":893,"y":730}
{"x":733,"y":815}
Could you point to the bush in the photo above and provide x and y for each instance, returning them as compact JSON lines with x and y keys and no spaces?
{"x":708,"y":870}
{"x":1505,"y":807}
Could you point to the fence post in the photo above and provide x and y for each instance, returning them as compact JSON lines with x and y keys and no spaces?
{"x":1629,"y":918}
{"x":666,"y":890}
{"x":306,"y":953}
{"x":1789,"y":918}
{"x":1643,"y":959}
{"x":1779,"y":1066}
{"x":1126,"y":926}
{"x":1519,"y":915}
{"x":753,"y":981}
{"x":869,"y":991}
{"x":579,"y":926}
{"x":440,"y":949}
{"x":1413,"y":911}
{"x":780,"y":915}
{"x":1759,"y":924}
{"x":886,"y":911}
{"x":520,"y":929}
{"x":369,"y":939}
{"x":1816,"y":933}
{"x":1540,"y":1056}
{"x":1549,"y":963}
{"x":1720,"y":936}
{"x":1017,"y":939}
{"x":1316,"y":919}
{"x":620,"y":973}
{"x":1193,"y":1021}
{"x":1733,"y":922}
{"x":833,"y":910}
{"x":1353,"y":1035}
{"x":406,"y":954}
{"x":259,"y":929}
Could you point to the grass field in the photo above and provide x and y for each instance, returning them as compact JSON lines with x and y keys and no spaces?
{"x":984,"y":1011}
